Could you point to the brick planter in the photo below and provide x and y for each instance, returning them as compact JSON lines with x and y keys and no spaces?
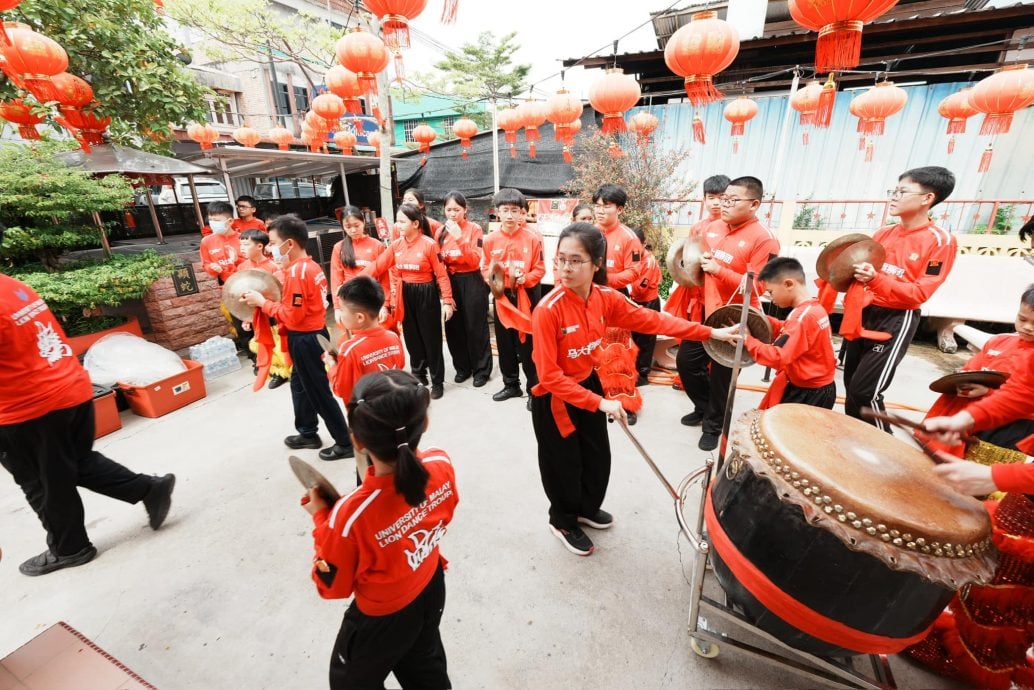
{"x":179,"y":322}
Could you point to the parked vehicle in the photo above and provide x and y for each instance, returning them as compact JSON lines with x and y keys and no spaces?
{"x":208,"y":189}
{"x":291,"y":189}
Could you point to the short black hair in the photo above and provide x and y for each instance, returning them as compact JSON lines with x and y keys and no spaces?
{"x":594,"y":244}
{"x":255,"y":236}
{"x":508,"y":196}
{"x":716,"y":184}
{"x":611,"y":194}
{"x":364,"y":294}
{"x":932,"y":178}
{"x":1027,"y":231}
{"x":220,"y":208}
{"x":246,"y":197}
{"x":751,"y":184}
{"x":1027,"y":298}
{"x":579,"y":208}
{"x":642,"y":238}
{"x":290,"y":227}
{"x":780,"y":268}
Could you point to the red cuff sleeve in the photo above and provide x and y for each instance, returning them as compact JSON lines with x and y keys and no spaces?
{"x":1017,"y":476}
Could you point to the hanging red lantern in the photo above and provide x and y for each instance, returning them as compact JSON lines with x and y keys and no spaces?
{"x":345,"y":140}
{"x":329,"y":106}
{"x":806,"y":102}
{"x":699,"y":135}
{"x":90,"y":124}
{"x":424,"y":134}
{"x":612,"y":95}
{"x":698,"y":51}
{"x":365,"y":55}
{"x":533,"y":115}
{"x":317,"y":124}
{"x":465,"y":129}
{"x":247,"y":136}
{"x":395,"y":16}
{"x":877,"y":104}
{"x":72,"y":92}
{"x":956,"y":109}
{"x":509,"y":121}
{"x":205,"y":134}
{"x":839,"y":23}
{"x":644,"y":124}
{"x":345,"y":84}
{"x":1000,"y":95}
{"x":16,"y":112}
{"x":561,"y":109}
{"x":282,"y":137}
{"x":374,"y":139}
{"x":738,"y":112}
{"x":34,"y":58}
{"x":570,"y":130}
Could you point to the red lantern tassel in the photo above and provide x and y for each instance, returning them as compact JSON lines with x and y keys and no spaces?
{"x":956,"y":126}
{"x":985,"y":159}
{"x":700,"y":89}
{"x":827,"y":101}
{"x":532,"y":134}
{"x":511,"y":136}
{"x":449,"y":9}
{"x":735,"y":146}
{"x":951,"y":146}
{"x":531,"y":150}
{"x":737,"y":129}
{"x":368,"y":84}
{"x":877,"y":127}
{"x":513,"y":151}
{"x":400,"y":68}
{"x":861,"y":143}
{"x":996,"y":123}
{"x":423,"y":161}
{"x":614,"y":123}
{"x":839,"y":46}
{"x":354,"y":106}
{"x":699,"y":135}
{"x":464,"y":154}
{"x":396,"y":32}
{"x":560,"y":132}
{"x":869,"y":150}
{"x":804,"y":138}
{"x":567,"y":155}
{"x":807,"y":118}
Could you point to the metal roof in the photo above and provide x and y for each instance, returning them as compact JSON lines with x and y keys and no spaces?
{"x":110,"y":158}
{"x":239,"y":161}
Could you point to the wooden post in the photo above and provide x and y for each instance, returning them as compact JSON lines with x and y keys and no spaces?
{"x":104,"y":235}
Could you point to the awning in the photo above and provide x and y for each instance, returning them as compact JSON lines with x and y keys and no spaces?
{"x":239,"y":161}
{"x":109,"y":158}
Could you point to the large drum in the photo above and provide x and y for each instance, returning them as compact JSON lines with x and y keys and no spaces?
{"x":836,"y":537}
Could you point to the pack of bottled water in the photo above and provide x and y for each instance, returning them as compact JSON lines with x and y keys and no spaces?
{"x":218,"y":355}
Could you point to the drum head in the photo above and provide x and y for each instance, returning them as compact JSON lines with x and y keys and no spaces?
{"x":245,"y":281}
{"x":948,"y":384}
{"x":683,"y":261}
{"x":725,"y":353}
{"x":841,"y":269}
{"x":312,"y":479}
{"x":832,"y":251}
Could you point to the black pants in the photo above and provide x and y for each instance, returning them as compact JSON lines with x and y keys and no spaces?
{"x":422,"y":328}
{"x":646,"y":341}
{"x":310,"y":389}
{"x":1008,"y":435}
{"x":49,"y":457}
{"x":823,"y":396}
{"x":706,"y":383}
{"x":575,"y":470}
{"x":467,"y":331}
{"x":407,"y":643}
{"x":870,"y":365}
{"x":512,"y":352}
{"x":243,"y":339}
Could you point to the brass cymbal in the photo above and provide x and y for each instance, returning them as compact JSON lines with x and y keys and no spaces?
{"x":683,"y":262}
{"x":725,"y":353}
{"x":245,"y":281}
{"x":841,"y":268}
{"x":832,"y":251}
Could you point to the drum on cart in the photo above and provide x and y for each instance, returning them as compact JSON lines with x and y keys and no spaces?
{"x":835,"y":537}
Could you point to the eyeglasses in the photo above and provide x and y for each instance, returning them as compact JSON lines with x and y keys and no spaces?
{"x":508,"y":212}
{"x":898,"y":193}
{"x":732,"y":201}
{"x":562,"y":262}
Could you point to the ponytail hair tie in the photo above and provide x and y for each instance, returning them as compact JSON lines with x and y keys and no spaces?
{"x":401,"y":437}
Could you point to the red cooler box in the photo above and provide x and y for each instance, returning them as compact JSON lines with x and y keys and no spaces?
{"x":105,"y":412}
{"x":172,"y":393}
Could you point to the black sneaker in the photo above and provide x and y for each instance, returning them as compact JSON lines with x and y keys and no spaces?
{"x":461,"y":376}
{"x":601,"y":520}
{"x":507,"y":393}
{"x":692,"y":419}
{"x":437,"y":391}
{"x":276,"y":381}
{"x":574,"y":540}
{"x":336,"y":452}
{"x":299,"y":441}
{"x":708,"y":442}
{"x":159,"y":499}
{"x":642,"y":381}
{"x":631,"y":417}
{"x":422,"y":378}
{"x":47,"y":562}
{"x":480,"y":380}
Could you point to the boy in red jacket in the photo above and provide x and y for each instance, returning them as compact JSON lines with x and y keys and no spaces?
{"x":220,"y":251}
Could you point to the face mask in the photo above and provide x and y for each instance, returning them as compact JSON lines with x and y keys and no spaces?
{"x":219,"y":227}
{"x":275,"y":252}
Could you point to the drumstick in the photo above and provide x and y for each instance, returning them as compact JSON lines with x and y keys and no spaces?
{"x":905,"y":423}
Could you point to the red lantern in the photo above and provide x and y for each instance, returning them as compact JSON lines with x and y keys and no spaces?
{"x":877,"y":104}
{"x":247,"y":136}
{"x":533,"y":116}
{"x":282,"y":137}
{"x":90,"y":125}
{"x":643,"y":124}
{"x":345,"y":84}
{"x":16,"y":112}
{"x":570,"y":130}
{"x":738,"y":112}
{"x":465,"y":129}
{"x":205,"y":135}
{"x":613,"y":94}
{"x":956,"y":109}
{"x":424,"y":134}
{"x":374,"y":139}
{"x":839,"y":23}
{"x":698,"y":51}
{"x":395,"y":16}
{"x":328,"y":106}
{"x":561,"y":109}
{"x":346,"y":141}
{"x":34,"y":58}
{"x":806,"y":102}
{"x":316,"y":123}
{"x":72,"y":92}
{"x":510,"y":121}
{"x":365,"y":54}
{"x":1000,"y":95}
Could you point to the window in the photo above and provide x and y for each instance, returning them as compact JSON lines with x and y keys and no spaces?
{"x":222,"y":108}
{"x":407,"y":127}
{"x":301,"y":99}
{"x":446,"y":125}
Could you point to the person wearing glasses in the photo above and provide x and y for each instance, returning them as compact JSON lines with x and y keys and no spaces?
{"x":919,"y":257}
{"x":246,"y":218}
{"x":743,"y":245}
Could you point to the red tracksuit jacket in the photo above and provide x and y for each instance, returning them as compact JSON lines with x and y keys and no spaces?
{"x":645,"y":288}
{"x":917,"y":262}
{"x":366,"y":250}
{"x":375,"y":349}
{"x":415,"y":262}
{"x":1007,"y":353}
{"x":303,"y":306}
{"x":267,"y":265}
{"x":802,"y":347}
{"x":747,"y":247}
{"x":464,"y":254}
{"x":520,"y":250}
{"x":223,"y":250}
{"x":624,"y":255}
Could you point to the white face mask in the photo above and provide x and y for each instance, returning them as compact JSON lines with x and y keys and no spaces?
{"x":219,"y":227}
{"x":274,"y":251}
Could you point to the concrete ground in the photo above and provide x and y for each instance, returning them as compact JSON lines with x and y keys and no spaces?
{"x":220,"y":597}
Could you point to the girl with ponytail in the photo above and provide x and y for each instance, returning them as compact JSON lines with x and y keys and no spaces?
{"x":380,"y":542}
{"x":356,"y":250}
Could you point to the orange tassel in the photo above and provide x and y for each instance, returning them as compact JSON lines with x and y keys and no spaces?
{"x":567,"y":155}
{"x":804,"y":138}
{"x":699,"y":135}
{"x":737,"y":129}
{"x":839,"y":48}
{"x":957,"y":126}
{"x":513,"y":151}
{"x":861,"y":143}
{"x":464,"y":154}
{"x":735,"y":146}
{"x":400,"y":73}
{"x":827,"y":101}
{"x":614,"y":123}
{"x":998,"y":123}
{"x":449,"y":9}
{"x":869,"y":148}
{"x":951,"y":146}
{"x":531,"y":150}
{"x":700,"y":89}
{"x":423,"y":161}
{"x":985,"y":159}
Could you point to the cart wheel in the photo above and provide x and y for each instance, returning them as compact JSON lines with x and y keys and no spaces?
{"x":704,"y":648}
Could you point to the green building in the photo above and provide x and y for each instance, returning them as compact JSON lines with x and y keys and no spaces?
{"x":440,"y":112}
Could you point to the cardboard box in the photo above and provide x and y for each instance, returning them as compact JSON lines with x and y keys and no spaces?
{"x":105,"y":414}
{"x":172,"y":393}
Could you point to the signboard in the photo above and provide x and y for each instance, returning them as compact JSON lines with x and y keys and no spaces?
{"x":184,"y":280}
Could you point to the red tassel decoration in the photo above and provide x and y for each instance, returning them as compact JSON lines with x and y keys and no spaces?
{"x":807,"y":118}
{"x":423,"y":161}
{"x":997,"y":123}
{"x":511,"y":136}
{"x":839,"y":46}
{"x":400,"y":72}
{"x":735,"y":146}
{"x":700,"y":89}
{"x":567,"y":155}
{"x":614,"y":150}
{"x":951,"y":146}
{"x":737,"y":129}
{"x":614,"y":123}
{"x":861,"y":143}
{"x":869,"y":149}
{"x":699,"y":135}
{"x":464,"y":156}
{"x":804,"y":138}
{"x":985,"y":159}
{"x":513,"y":151}
{"x":957,"y":126}
{"x":449,"y":9}
{"x":532,"y":134}
{"x":531,"y":150}
{"x":827,"y":101}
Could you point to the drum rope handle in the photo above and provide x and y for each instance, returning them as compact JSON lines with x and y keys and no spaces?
{"x":744,"y":290}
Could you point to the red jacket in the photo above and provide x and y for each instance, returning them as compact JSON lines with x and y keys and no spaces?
{"x":1014,"y":400}
{"x":747,"y":247}
{"x":366,"y":250}
{"x":223,"y":250}
{"x":303,"y":306}
{"x":917,"y":262}
{"x":239,"y":225}
{"x":38,"y":372}
{"x":1007,"y":353}
{"x":645,"y":288}
{"x":802,"y":348}
{"x":415,"y":262}
{"x":688,"y":302}
{"x":567,"y":329}
{"x":375,"y":349}
{"x":267,"y":265}
{"x":624,"y":254}
{"x":520,"y":250}
{"x":376,"y":545}
{"x":462,"y":255}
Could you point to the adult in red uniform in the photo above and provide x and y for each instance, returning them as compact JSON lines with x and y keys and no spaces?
{"x":686,"y":302}
{"x":416,"y":198}
{"x":568,"y":409}
{"x":301,"y":313}
{"x":743,"y":244}
{"x":424,"y":290}
{"x":381,"y":543}
{"x":354,"y":252}
{"x":460,"y":242}
{"x":919,"y":258}
{"x":802,"y":353}
{"x":518,"y":250}
{"x":46,"y":433}
{"x":645,"y":294}
{"x":246,"y":218}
